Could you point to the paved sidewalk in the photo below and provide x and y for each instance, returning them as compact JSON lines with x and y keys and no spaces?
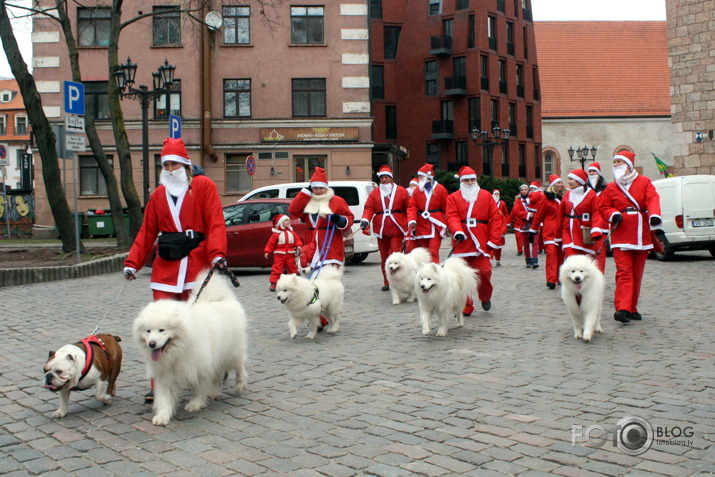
{"x":497,"y":397}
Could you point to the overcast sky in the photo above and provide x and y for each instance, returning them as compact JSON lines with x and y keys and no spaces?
{"x":543,"y":10}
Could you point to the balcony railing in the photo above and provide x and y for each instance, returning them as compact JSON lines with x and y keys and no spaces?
{"x":455,"y":85}
{"x":440,"y":45}
{"x":485,"y":83}
{"x":443,"y":129}
{"x":492,"y":43}
{"x":502,"y":87}
{"x":520,"y":90}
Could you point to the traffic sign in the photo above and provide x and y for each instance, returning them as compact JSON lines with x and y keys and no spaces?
{"x":3,"y":151}
{"x":74,"y":142}
{"x":74,"y":124}
{"x":74,"y":98}
{"x":250,"y":165}
{"x":174,"y":127}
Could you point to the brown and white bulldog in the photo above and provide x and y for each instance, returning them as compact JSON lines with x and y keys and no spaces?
{"x":95,"y":360}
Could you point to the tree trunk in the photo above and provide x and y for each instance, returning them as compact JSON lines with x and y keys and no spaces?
{"x":43,"y":134}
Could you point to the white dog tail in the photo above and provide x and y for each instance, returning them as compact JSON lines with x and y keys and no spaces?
{"x":217,"y":289}
{"x":421,"y":255}
{"x":465,"y":275}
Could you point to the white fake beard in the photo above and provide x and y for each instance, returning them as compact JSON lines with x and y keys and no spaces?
{"x":621,"y":174}
{"x":469,"y":191}
{"x":421,"y":183}
{"x":386,"y":189}
{"x":175,"y":181}
{"x":593,"y":180}
{"x":496,"y":198}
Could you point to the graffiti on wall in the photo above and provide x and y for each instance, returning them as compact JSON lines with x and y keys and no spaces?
{"x":19,"y":210}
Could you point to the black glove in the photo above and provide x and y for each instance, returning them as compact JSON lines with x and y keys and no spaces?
{"x":532,"y":237}
{"x":616,"y":219}
{"x":655,"y":221}
{"x":336,"y":219}
{"x":364,"y":224}
{"x":460,"y":237}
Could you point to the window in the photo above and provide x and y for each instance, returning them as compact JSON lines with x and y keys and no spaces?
{"x":502,"y":77}
{"x":459,"y":70}
{"x":96,"y":99}
{"x":537,"y":164}
{"x":487,"y":160}
{"x":3,"y":124}
{"x":167,"y":26}
{"x":530,"y":122}
{"x":512,"y":119}
{"x":375,"y":9}
{"x":169,"y":103}
{"x":237,"y":178}
{"x":431,"y":75}
{"x":237,"y":98}
{"x":475,"y":114}
{"x":391,"y":40}
{"x":535,"y":80}
{"x":492,"y":32}
{"x":549,"y":161}
{"x":305,"y":167}
{"x":495,"y":112}
{"x":516,"y":8}
{"x":471,"y":35}
{"x":520,"y":81}
{"x":433,"y":154}
{"x":20,"y":125}
{"x":448,"y":28}
{"x":504,"y":161}
{"x":236,"y":25}
{"x":91,"y":180}
{"x":6,"y":97}
{"x":462,"y":4}
{"x":510,"y":38}
{"x":270,"y":155}
{"x":307,"y":24}
{"x":484,"y":71}
{"x":309,"y":97}
{"x":390,"y":122}
{"x":522,"y":160}
{"x":500,"y":6}
{"x":93,"y":26}
{"x":434,"y":7}
{"x":461,"y":154}
{"x":526,"y":43}
{"x":377,"y":81}
{"x":447,"y":111}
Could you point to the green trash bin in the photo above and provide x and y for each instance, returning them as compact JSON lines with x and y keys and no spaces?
{"x":99,"y":225}
{"x":79,"y":220}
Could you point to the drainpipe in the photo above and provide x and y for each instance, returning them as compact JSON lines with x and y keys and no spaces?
{"x":206,"y":140}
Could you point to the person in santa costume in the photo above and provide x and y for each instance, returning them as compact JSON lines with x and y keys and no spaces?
{"x":425,"y":213}
{"x":386,"y":208}
{"x":284,"y":244}
{"x":504,"y":214}
{"x":598,"y":183}
{"x":546,"y":222}
{"x":631,"y":205}
{"x":581,"y":223}
{"x":526,"y":202}
{"x":327,"y":216}
{"x":475,"y":223}
{"x":184,"y":207}
{"x":517,"y":218}
{"x":412,"y":186}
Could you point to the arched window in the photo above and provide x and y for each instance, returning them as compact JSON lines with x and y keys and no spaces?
{"x":549,"y":162}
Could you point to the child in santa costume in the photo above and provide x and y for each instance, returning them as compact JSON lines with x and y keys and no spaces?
{"x":517,"y":218}
{"x":386,"y":208}
{"x":504,"y":214}
{"x":326,"y":216}
{"x":425,"y":213}
{"x":581,"y":222}
{"x":284,"y":244}
{"x":475,"y":223}
{"x":546,"y":221}
{"x":632,"y":206}
{"x":598,"y":183}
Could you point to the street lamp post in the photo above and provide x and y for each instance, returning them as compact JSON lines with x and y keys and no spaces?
{"x":162,"y":79}
{"x":499,"y":137}
{"x":582,"y":155}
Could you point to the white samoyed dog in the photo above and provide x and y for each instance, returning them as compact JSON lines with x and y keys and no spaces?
{"x":443,"y":290}
{"x":401,"y":270}
{"x":306,"y":300}
{"x":192,"y":345}
{"x":582,"y":292}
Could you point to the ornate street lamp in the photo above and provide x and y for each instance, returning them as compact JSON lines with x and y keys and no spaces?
{"x":499,"y":137}
{"x":582,"y":155}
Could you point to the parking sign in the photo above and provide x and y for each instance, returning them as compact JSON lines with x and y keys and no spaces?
{"x":174,"y":127}
{"x":74,"y":98}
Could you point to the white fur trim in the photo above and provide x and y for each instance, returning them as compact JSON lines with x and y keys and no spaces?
{"x":576,"y":178}
{"x":384,"y":174}
{"x":468,"y":176}
{"x":175,"y":158}
{"x":624,"y":159}
{"x":319,"y":184}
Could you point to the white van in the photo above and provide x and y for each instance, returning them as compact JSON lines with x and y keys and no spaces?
{"x":355,"y":194}
{"x":687,"y":205}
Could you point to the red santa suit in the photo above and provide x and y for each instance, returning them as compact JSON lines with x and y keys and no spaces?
{"x":386,"y":214}
{"x":503,"y":214}
{"x":636,"y":200}
{"x":517,"y":219}
{"x":198,"y":209}
{"x":528,"y":209}
{"x":546,"y":221}
{"x":426,"y":211}
{"x":282,"y":243}
{"x":578,"y":212}
{"x":481,"y":223}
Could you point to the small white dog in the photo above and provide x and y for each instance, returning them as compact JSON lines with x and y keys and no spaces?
{"x":192,"y":345}
{"x":582,"y":292}
{"x":401,"y":270}
{"x":307,"y":300}
{"x":443,"y":290}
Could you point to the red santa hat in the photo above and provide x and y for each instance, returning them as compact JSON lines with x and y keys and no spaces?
{"x":595,"y":167}
{"x":319,"y":179}
{"x":536,"y":185}
{"x":174,"y":150}
{"x":427,"y":171}
{"x":278,"y":219}
{"x":579,"y":175}
{"x":414,"y":181}
{"x":384,"y":171}
{"x":553,"y":179}
{"x":496,"y":191}
{"x":626,"y":156}
{"x":466,"y":172}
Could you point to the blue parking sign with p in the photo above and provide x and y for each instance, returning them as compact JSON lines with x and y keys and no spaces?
{"x":74,"y":98}
{"x":174,"y":127}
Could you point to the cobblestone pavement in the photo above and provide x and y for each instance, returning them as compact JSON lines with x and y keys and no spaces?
{"x":497,"y":397}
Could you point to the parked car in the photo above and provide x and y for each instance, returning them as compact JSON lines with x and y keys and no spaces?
{"x":687,"y":206}
{"x":355,"y":194}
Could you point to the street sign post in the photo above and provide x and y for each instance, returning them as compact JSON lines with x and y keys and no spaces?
{"x":250,"y":165}
{"x":174,"y":127}
{"x":74,"y":143}
{"x":74,"y":98}
{"x":74,"y":124}
{"x":3,"y":155}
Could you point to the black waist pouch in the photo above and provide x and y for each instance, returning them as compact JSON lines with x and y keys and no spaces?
{"x":177,"y":245}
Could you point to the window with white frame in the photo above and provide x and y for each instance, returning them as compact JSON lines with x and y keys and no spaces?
{"x":91,"y":180}
{"x":549,"y":161}
{"x":3,"y":124}
{"x":20,"y":125}
{"x":237,"y":178}
{"x":169,"y":103}
{"x":435,"y":7}
{"x":237,"y":98}
{"x":93,"y":26}
{"x":307,"y":25}
{"x":5,"y":96}
{"x":236,"y":25}
{"x":167,"y":25}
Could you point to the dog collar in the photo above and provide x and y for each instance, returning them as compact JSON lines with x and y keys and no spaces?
{"x":89,"y":353}
{"x":315,"y":295}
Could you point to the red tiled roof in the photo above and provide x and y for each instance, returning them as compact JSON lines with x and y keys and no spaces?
{"x":16,"y":103}
{"x":603,"y":68}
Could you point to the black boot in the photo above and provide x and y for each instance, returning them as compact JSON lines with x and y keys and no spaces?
{"x":528,"y":262}
{"x":622,"y":316}
{"x":635,"y":316}
{"x":535,"y":263}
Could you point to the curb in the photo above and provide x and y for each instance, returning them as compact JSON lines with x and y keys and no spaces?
{"x":10,"y":277}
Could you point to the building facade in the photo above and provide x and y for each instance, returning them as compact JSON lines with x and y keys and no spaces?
{"x":14,"y":133}
{"x":287,"y":85}
{"x":442,"y":69}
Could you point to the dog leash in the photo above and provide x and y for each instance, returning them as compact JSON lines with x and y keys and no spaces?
{"x":222,"y":267}
{"x":324,"y":250}
{"x":600,"y":249}
{"x":110,"y":307}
